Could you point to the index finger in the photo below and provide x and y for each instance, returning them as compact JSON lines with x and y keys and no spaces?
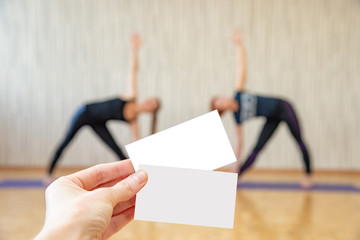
{"x":94,"y":176}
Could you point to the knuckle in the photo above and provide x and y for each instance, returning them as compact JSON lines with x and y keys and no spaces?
{"x":129,"y":188}
{"x":98,"y":174}
{"x":129,"y":215}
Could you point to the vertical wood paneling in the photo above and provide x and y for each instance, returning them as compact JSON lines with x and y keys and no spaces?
{"x":56,"y":55}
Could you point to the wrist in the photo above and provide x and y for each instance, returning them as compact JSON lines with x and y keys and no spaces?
{"x":67,"y":231}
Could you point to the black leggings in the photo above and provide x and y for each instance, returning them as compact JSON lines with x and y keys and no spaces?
{"x":79,"y":120}
{"x":286,"y":113}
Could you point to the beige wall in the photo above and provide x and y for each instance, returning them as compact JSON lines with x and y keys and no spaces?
{"x":58,"y":54}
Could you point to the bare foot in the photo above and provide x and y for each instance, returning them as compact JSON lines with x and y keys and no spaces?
{"x":234,"y":167}
{"x":307,"y":182}
{"x":47,"y":180}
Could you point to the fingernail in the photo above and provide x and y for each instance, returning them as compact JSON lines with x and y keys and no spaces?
{"x":140,"y":176}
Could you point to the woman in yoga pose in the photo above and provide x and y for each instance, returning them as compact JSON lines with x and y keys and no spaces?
{"x":124,"y":109}
{"x":246,"y":105}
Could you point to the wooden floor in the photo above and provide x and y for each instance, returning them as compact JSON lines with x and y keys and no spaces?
{"x":259,"y":214}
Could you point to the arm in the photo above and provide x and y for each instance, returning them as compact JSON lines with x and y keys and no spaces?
{"x":135,"y":130}
{"x":105,"y":193}
{"x":132,"y":90}
{"x":241,"y":61}
{"x":240,"y":141}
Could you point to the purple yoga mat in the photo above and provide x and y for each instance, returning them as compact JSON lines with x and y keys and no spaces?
{"x":283,"y":186}
{"x":21,"y":183}
{"x":297,"y":187}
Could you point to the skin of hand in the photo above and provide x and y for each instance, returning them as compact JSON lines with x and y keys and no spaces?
{"x":237,"y":37}
{"x":92,"y":204}
{"x":135,"y":41}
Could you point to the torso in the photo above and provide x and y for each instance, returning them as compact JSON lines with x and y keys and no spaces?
{"x":112,"y":109}
{"x":247,"y":104}
{"x":251,"y":105}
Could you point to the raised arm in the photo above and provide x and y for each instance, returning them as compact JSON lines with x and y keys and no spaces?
{"x":132,"y":90}
{"x":241,"y":61}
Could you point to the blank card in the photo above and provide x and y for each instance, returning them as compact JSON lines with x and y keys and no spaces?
{"x":187,"y":196}
{"x":200,"y":143}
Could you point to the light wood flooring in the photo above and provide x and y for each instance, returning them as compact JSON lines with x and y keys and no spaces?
{"x":260,"y":214}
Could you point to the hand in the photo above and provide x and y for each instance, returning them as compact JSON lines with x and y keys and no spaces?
{"x":135,"y":41}
{"x":92,"y":204}
{"x":237,"y":37}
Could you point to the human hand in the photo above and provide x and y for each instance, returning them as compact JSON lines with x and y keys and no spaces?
{"x":92,"y":204}
{"x":135,"y":41}
{"x":237,"y":37}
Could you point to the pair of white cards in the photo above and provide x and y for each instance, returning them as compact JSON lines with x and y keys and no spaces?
{"x":181,"y":188}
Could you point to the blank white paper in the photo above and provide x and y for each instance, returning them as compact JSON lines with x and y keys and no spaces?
{"x":187,"y":196}
{"x":200,"y":143}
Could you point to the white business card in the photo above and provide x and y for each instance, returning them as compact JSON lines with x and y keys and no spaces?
{"x":200,"y":143}
{"x":187,"y":196}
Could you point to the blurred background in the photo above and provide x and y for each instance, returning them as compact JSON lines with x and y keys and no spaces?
{"x":56,"y":55}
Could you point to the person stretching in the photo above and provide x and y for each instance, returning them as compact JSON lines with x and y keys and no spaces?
{"x":97,"y":114}
{"x":246,"y":106}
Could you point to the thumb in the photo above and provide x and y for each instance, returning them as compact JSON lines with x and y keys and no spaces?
{"x":127,"y":188}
